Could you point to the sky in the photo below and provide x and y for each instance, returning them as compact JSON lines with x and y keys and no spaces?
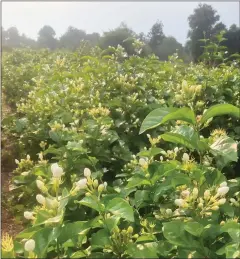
{"x":29,"y":17}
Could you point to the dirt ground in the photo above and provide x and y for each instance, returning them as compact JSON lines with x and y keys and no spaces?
{"x":7,"y":219}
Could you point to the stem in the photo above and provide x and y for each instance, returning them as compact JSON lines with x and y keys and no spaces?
{"x":58,"y":252}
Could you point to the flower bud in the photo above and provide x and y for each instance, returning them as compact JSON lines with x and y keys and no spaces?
{"x":142,"y":162}
{"x":130,"y":230}
{"x":40,"y":199}
{"x":185,"y":157}
{"x":101,"y":187}
{"x":161,"y":158}
{"x":222,"y":223}
{"x":87,"y":172}
{"x":16,"y":161}
{"x":185,"y":193}
{"x":222,"y":190}
{"x":215,"y":208}
{"x":200,"y":205}
{"x":223,"y":184}
{"x":169,"y":212}
{"x":28,"y":215}
{"x":233,"y":200}
{"x":29,"y":245}
{"x":105,"y":184}
{"x":179,"y":202}
{"x":176,"y":149}
{"x":221,"y":201}
{"x":28,"y":157}
{"x":88,"y":194}
{"x":95,"y":183}
{"x":25,"y":173}
{"x":207,"y":195}
{"x":195,"y":193}
{"x":81,"y":184}
{"x":57,"y":171}
{"x":40,"y":184}
{"x":135,"y":236}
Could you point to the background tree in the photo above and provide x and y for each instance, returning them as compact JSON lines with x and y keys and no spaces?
{"x":12,"y":37}
{"x":71,"y":38}
{"x":203,"y":24}
{"x":168,"y":47}
{"x":232,"y":37}
{"x":156,"y":36}
{"x":46,"y":37}
{"x":122,"y":35}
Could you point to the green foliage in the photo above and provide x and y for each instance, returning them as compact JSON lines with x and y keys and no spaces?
{"x":90,"y":186}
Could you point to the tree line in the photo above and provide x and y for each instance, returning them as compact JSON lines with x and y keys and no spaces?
{"x":204,"y":23}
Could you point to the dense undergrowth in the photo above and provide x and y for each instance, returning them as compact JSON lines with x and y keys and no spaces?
{"x":122,"y":156}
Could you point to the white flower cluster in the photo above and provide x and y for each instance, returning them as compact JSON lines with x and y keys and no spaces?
{"x":205,"y":204}
{"x":86,"y":182}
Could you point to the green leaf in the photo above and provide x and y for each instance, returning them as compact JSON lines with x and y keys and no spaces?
{"x":54,"y":136}
{"x":180,"y":179}
{"x":70,"y":230}
{"x":140,"y":197}
{"x":178,"y":139}
{"x":93,"y":203}
{"x":43,"y":238}
{"x":189,"y":133}
{"x":154,"y":118}
{"x":231,"y":250}
{"x":111,"y":223}
{"x":194,"y":228}
{"x":28,"y":233}
{"x":183,"y":114}
{"x":225,"y":151}
{"x":147,"y":250}
{"x":174,"y":232}
{"x":78,"y":254}
{"x":233,"y":229}
{"x":137,"y":180}
{"x":100,"y":239}
{"x":121,"y":207}
{"x":220,"y":109}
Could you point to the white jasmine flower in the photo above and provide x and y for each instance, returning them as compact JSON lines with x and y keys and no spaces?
{"x":29,"y":245}
{"x":185,"y":193}
{"x":185,"y":157}
{"x":223,"y":184}
{"x":28,"y":215}
{"x":176,"y":149}
{"x":57,"y":171}
{"x":40,"y":199}
{"x":221,"y":201}
{"x":222,"y":190}
{"x":101,"y":187}
{"x":40,"y":184}
{"x":179,"y":202}
{"x":81,"y":184}
{"x":87,"y":172}
{"x":169,"y":212}
{"x":207,"y":194}
{"x":25,"y":173}
{"x":142,"y":162}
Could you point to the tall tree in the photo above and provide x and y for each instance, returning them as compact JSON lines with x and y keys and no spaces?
{"x":203,"y":24}
{"x":122,"y":35}
{"x":13,"y":37}
{"x":46,"y":37}
{"x":156,"y":35}
{"x":232,"y":37}
{"x":71,"y":38}
{"x":168,"y":47}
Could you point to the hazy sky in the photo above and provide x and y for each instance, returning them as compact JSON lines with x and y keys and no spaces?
{"x":29,"y":17}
